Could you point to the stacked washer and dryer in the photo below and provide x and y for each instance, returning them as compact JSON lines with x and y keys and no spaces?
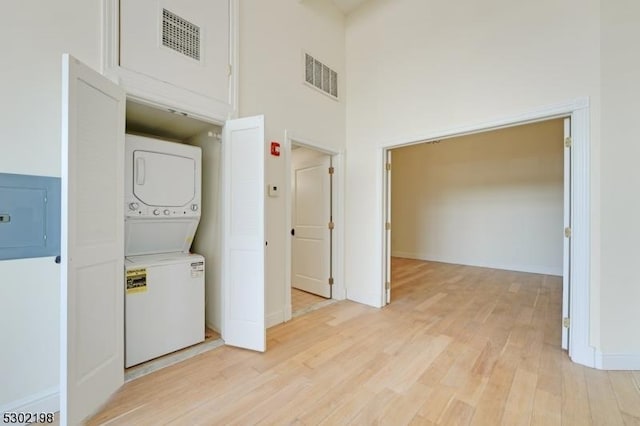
{"x":164,"y":295}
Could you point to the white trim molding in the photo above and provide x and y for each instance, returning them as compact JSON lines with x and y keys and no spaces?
{"x":337,"y":158}
{"x":617,"y":361}
{"x":274,"y":318}
{"x":46,"y":401}
{"x":162,"y":95}
{"x":529,"y":268}
{"x":580,"y":349}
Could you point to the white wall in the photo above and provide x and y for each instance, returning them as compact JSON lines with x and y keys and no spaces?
{"x":271,"y":76}
{"x":273,"y":36}
{"x":208,"y":235}
{"x":417,"y":68}
{"x":37,"y":33}
{"x":620,"y":291}
{"x":492,"y":199}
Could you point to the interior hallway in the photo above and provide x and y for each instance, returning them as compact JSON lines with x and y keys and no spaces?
{"x":457,"y":345}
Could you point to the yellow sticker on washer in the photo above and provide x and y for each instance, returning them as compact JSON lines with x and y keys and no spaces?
{"x":136,"y":281}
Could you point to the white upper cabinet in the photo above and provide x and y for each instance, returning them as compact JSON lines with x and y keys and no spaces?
{"x":175,"y":54}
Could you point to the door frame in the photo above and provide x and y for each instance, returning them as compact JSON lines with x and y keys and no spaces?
{"x":580,"y":349}
{"x":337,"y":161}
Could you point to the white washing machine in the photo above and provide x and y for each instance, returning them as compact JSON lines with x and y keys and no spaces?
{"x":164,"y":304}
{"x":164,"y":299}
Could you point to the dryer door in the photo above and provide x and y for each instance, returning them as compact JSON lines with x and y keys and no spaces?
{"x":163,"y":180}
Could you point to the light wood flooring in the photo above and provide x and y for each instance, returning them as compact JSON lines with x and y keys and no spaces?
{"x":301,"y":300}
{"x":457,"y":345}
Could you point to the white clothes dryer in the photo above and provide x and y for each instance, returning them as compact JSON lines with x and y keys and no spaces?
{"x":162,"y":195}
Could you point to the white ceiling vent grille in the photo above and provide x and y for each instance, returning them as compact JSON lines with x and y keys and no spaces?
{"x":320,"y":76}
{"x":180,"y":35}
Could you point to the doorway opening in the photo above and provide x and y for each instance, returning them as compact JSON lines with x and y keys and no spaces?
{"x":311,"y":204}
{"x":492,"y":200}
{"x":573,"y":240}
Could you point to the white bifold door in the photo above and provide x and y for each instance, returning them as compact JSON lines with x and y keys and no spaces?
{"x":243,"y":233}
{"x":92,"y":240}
{"x":92,"y":243}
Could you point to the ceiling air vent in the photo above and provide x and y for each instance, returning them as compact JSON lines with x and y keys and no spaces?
{"x":180,"y":35}
{"x":320,"y":76}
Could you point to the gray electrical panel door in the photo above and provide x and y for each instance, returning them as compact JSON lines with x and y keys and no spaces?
{"x":29,"y":216}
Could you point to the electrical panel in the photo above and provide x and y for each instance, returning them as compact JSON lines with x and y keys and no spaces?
{"x":29,"y":216}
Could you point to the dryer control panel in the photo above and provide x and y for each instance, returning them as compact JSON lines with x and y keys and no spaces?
{"x":136,"y":209}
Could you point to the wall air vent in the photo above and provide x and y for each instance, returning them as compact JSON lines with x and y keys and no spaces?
{"x":180,"y":35}
{"x":320,"y":76}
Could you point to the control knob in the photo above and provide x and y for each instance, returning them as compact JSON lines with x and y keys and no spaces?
{"x":156,"y":212}
{"x":194,"y":207}
{"x":166,"y":212}
{"x":133,"y":206}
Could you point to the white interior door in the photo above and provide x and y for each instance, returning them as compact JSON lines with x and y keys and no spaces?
{"x":387,"y":226}
{"x":243,"y":236}
{"x":311,"y":211}
{"x":566,"y":258}
{"x":92,"y":243}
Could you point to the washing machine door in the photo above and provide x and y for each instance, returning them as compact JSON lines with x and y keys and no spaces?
{"x":162,"y":179}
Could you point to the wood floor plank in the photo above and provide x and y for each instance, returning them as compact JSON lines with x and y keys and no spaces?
{"x":575,"y":401}
{"x":490,"y":408}
{"x":316,"y":410}
{"x":519,"y":406}
{"x":546,"y":409}
{"x":457,"y":413}
{"x":403,"y":407}
{"x":472,"y":390}
{"x":550,"y":370}
{"x":627,"y":392}
{"x":602,"y":399}
{"x":436,"y":403}
{"x":303,"y":300}
{"x":353,"y":405}
{"x":457,"y":345}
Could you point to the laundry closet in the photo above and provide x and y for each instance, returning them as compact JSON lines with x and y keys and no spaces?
{"x":182,"y":48}
{"x":172,"y":232}
{"x":174,"y":238}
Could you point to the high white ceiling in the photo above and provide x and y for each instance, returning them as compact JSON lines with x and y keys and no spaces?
{"x":348,"y":5}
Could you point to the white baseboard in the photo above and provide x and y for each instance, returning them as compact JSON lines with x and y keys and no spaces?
{"x":212,"y":327}
{"x":533,"y":269}
{"x":47,"y":401}
{"x":617,"y":361}
{"x":366,"y":298}
{"x":274,"y":318}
